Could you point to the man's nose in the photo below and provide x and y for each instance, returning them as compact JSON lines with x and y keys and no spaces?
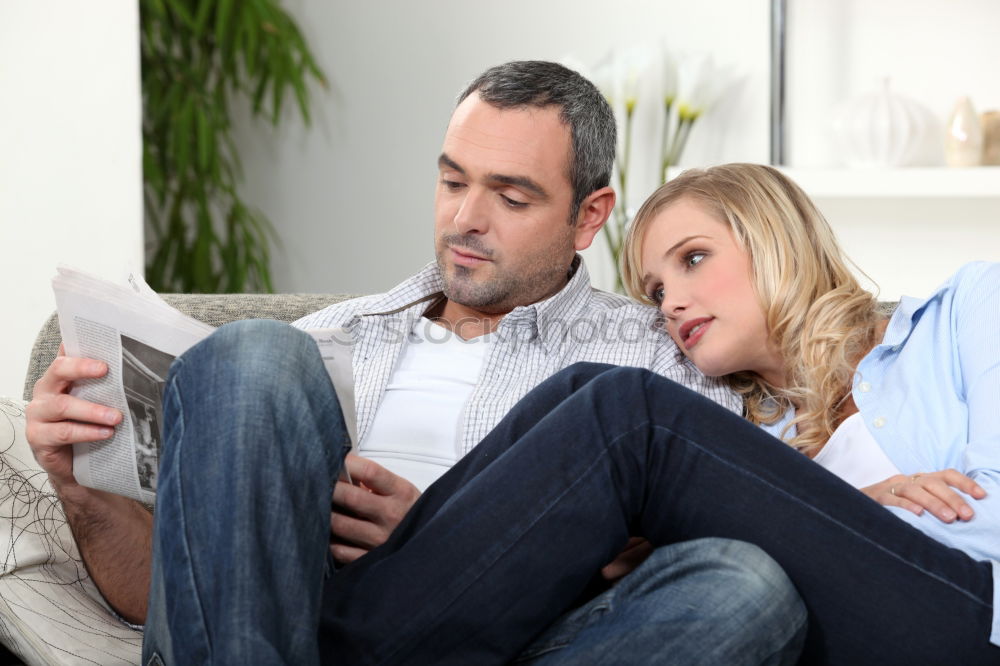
{"x":472,"y":216}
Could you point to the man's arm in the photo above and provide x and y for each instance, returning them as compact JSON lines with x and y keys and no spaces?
{"x":370,"y":510}
{"x":114,"y":533}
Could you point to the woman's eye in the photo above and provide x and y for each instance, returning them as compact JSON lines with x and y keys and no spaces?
{"x":694,"y":258}
{"x":513,"y":203}
{"x":656,"y":295}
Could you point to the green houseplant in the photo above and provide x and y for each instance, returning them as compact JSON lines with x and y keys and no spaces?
{"x":196,"y":56}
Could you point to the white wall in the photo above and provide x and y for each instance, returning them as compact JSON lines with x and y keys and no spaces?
{"x":352,"y":198}
{"x":70,"y":156}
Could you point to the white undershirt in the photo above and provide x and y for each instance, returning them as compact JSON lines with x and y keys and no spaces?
{"x":417,"y":429}
{"x":853,"y":454}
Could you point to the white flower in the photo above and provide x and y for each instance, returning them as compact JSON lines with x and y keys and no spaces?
{"x":699,"y":84}
{"x":631,"y":69}
{"x":669,"y":75}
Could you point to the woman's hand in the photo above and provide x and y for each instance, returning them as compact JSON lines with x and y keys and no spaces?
{"x":932,"y":491}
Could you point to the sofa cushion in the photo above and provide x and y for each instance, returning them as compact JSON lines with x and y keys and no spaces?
{"x":50,"y":611}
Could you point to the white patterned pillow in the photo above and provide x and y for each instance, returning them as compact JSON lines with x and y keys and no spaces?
{"x":50,"y":611}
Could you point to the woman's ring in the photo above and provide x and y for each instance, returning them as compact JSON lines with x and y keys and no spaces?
{"x":914,"y":477}
{"x":892,"y":491}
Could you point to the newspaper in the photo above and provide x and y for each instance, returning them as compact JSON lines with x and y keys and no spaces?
{"x":138,"y":335}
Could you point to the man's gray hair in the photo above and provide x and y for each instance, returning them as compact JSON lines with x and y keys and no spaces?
{"x":590,"y":119}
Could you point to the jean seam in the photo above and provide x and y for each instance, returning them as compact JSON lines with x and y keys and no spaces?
{"x":826,"y":516}
{"x":486,"y":568}
{"x":182,"y":513}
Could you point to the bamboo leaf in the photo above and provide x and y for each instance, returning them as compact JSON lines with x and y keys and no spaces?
{"x":183,"y":136}
{"x":201,"y":16}
{"x":299,"y":85}
{"x":204,"y":141}
{"x":258,"y":95}
{"x":250,"y":36}
{"x":222,"y":23}
{"x":280,"y":71}
{"x":180,"y":10}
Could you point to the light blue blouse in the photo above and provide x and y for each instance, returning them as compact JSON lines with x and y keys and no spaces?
{"x":930,"y":396}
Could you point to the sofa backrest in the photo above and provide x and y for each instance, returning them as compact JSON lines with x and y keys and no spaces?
{"x":214,"y":309}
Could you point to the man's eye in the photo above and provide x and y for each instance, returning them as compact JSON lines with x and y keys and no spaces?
{"x":452,"y":185}
{"x":513,"y":203}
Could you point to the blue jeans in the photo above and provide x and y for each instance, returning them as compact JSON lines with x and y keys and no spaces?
{"x":504,"y":542}
{"x":237,"y":580}
{"x":707,"y":601}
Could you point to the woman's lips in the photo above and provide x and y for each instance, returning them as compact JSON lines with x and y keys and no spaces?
{"x":692,"y":331}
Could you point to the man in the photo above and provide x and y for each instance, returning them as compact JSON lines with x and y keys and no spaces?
{"x":438,"y":361}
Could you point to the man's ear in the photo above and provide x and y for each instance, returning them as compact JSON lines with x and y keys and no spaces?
{"x":594,"y":212}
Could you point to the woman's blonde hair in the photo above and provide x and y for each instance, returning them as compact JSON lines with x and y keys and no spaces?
{"x":818,"y":316}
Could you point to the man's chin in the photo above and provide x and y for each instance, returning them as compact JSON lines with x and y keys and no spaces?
{"x":473,"y":293}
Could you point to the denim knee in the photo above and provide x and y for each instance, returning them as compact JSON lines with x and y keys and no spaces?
{"x":756,"y":590}
{"x":249,"y":370}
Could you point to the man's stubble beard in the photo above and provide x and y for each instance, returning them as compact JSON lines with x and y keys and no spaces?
{"x":508,"y":287}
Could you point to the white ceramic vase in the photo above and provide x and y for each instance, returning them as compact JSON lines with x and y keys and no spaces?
{"x":963,"y":139}
{"x":879,"y":129}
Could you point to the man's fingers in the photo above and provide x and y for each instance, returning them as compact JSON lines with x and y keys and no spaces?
{"x":344,"y":553}
{"x":65,"y":407}
{"x":65,"y":370}
{"x":373,"y":475}
{"x":356,"y":532}
{"x":359,"y":501}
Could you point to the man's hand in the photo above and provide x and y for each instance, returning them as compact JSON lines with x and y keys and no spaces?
{"x":636,"y":551}
{"x":367,"y":513}
{"x":56,"y":420}
{"x":931,"y":491}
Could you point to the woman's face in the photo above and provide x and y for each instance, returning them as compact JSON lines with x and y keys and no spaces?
{"x":700,"y":277}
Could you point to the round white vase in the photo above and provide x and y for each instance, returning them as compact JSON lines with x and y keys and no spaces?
{"x":879,"y":129}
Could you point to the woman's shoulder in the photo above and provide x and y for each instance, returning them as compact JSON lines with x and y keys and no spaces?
{"x":976,"y":282}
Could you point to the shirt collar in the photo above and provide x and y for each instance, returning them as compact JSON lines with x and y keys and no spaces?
{"x":907,"y":314}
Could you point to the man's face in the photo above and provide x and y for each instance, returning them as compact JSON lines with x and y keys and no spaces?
{"x":502,"y":231}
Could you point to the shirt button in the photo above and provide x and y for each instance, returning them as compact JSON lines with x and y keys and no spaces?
{"x":878,"y":422}
{"x":864,"y":387}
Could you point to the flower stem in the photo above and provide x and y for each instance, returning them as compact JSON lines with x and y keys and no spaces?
{"x":665,"y":143}
{"x":680,"y":139}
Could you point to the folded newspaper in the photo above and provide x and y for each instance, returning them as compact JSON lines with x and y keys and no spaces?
{"x":134,"y":331}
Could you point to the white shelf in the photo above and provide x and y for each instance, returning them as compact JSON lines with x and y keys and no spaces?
{"x":916,"y":182}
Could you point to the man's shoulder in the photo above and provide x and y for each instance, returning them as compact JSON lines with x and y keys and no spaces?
{"x":615,"y":307}
{"x":338,"y":314}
